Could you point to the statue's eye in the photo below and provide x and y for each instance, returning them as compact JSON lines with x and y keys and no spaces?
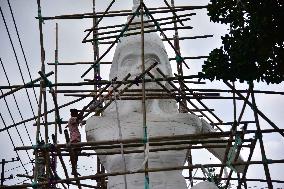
{"x":128,"y":62}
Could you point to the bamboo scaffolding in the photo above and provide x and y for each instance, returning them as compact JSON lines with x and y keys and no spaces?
{"x":181,"y":38}
{"x":135,"y":23}
{"x":107,"y":63}
{"x":130,"y":97}
{"x":142,"y":171}
{"x":154,"y":139}
{"x":137,"y":33}
{"x":233,"y":129}
{"x":247,"y":179}
{"x":256,"y":109}
{"x":172,"y":90}
{"x":19,"y":87}
{"x":176,"y":148}
{"x":134,"y":27}
{"x":199,"y":101}
{"x":168,"y":143}
{"x":181,"y":93}
{"x":259,"y":137}
{"x":122,"y":13}
{"x":143,"y":99}
{"x":150,"y":94}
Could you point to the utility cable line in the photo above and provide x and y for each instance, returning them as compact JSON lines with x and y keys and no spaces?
{"x":18,"y":166}
{"x":19,"y":67}
{"x":22,"y":49}
{"x":15,"y":100}
{"x":13,"y":144}
{"x":10,"y":113}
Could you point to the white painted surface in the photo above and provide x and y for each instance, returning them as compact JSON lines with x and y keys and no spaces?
{"x":163,"y":119}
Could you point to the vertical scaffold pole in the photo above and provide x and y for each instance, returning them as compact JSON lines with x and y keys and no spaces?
{"x":183,"y":102}
{"x":147,"y":183}
{"x":56,"y":76}
{"x":259,"y":137}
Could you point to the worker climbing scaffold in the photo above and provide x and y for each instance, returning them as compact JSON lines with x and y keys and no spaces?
{"x":75,"y":136}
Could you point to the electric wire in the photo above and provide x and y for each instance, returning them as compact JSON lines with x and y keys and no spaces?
{"x":16,"y":102}
{"x":10,"y":113}
{"x":16,"y":57}
{"x":13,"y":143}
{"x":18,"y":167}
{"x":22,"y":49}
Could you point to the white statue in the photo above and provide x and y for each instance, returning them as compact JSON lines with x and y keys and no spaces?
{"x":163,"y":119}
{"x":136,"y":4}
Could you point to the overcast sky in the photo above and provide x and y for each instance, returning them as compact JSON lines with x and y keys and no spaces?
{"x":71,"y":33}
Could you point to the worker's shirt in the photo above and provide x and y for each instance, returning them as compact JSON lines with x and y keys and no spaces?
{"x":74,"y":130}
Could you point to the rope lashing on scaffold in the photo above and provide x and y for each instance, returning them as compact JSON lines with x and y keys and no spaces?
{"x":137,"y":81}
{"x":207,"y":174}
{"x":98,"y":78}
{"x":178,"y":98}
{"x":40,"y":146}
{"x":179,"y":59}
{"x":30,"y":84}
{"x":122,"y":33}
{"x":146,"y":152}
{"x":39,"y":15}
{"x":34,"y":185}
{"x":258,"y":135}
{"x":232,"y":152}
{"x":46,"y":81}
{"x":59,"y":120}
{"x":146,"y":185}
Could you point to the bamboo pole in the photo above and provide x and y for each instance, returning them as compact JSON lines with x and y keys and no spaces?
{"x":111,"y":46}
{"x":247,"y":165}
{"x":41,"y":92}
{"x":145,"y":21}
{"x":154,"y":139}
{"x":175,"y":148}
{"x":233,"y":129}
{"x":19,"y":87}
{"x":144,"y":124}
{"x":259,"y":137}
{"x":158,"y":144}
{"x":56,"y":76}
{"x":200,"y":102}
{"x":121,"y":13}
{"x":256,"y":109}
{"x":149,"y":170}
{"x":173,"y":90}
{"x":135,"y":33}
{"x":181,"y":38}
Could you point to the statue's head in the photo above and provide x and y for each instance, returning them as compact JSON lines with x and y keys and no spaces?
{"x":127,"y":59}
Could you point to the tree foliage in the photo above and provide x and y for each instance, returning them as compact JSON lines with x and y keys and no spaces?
{"x":253,"y":49}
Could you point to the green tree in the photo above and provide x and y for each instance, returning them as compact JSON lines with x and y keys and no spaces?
{"x":254,"y":47}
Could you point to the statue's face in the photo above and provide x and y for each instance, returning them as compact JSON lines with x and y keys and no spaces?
{"x":127,"y":59}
